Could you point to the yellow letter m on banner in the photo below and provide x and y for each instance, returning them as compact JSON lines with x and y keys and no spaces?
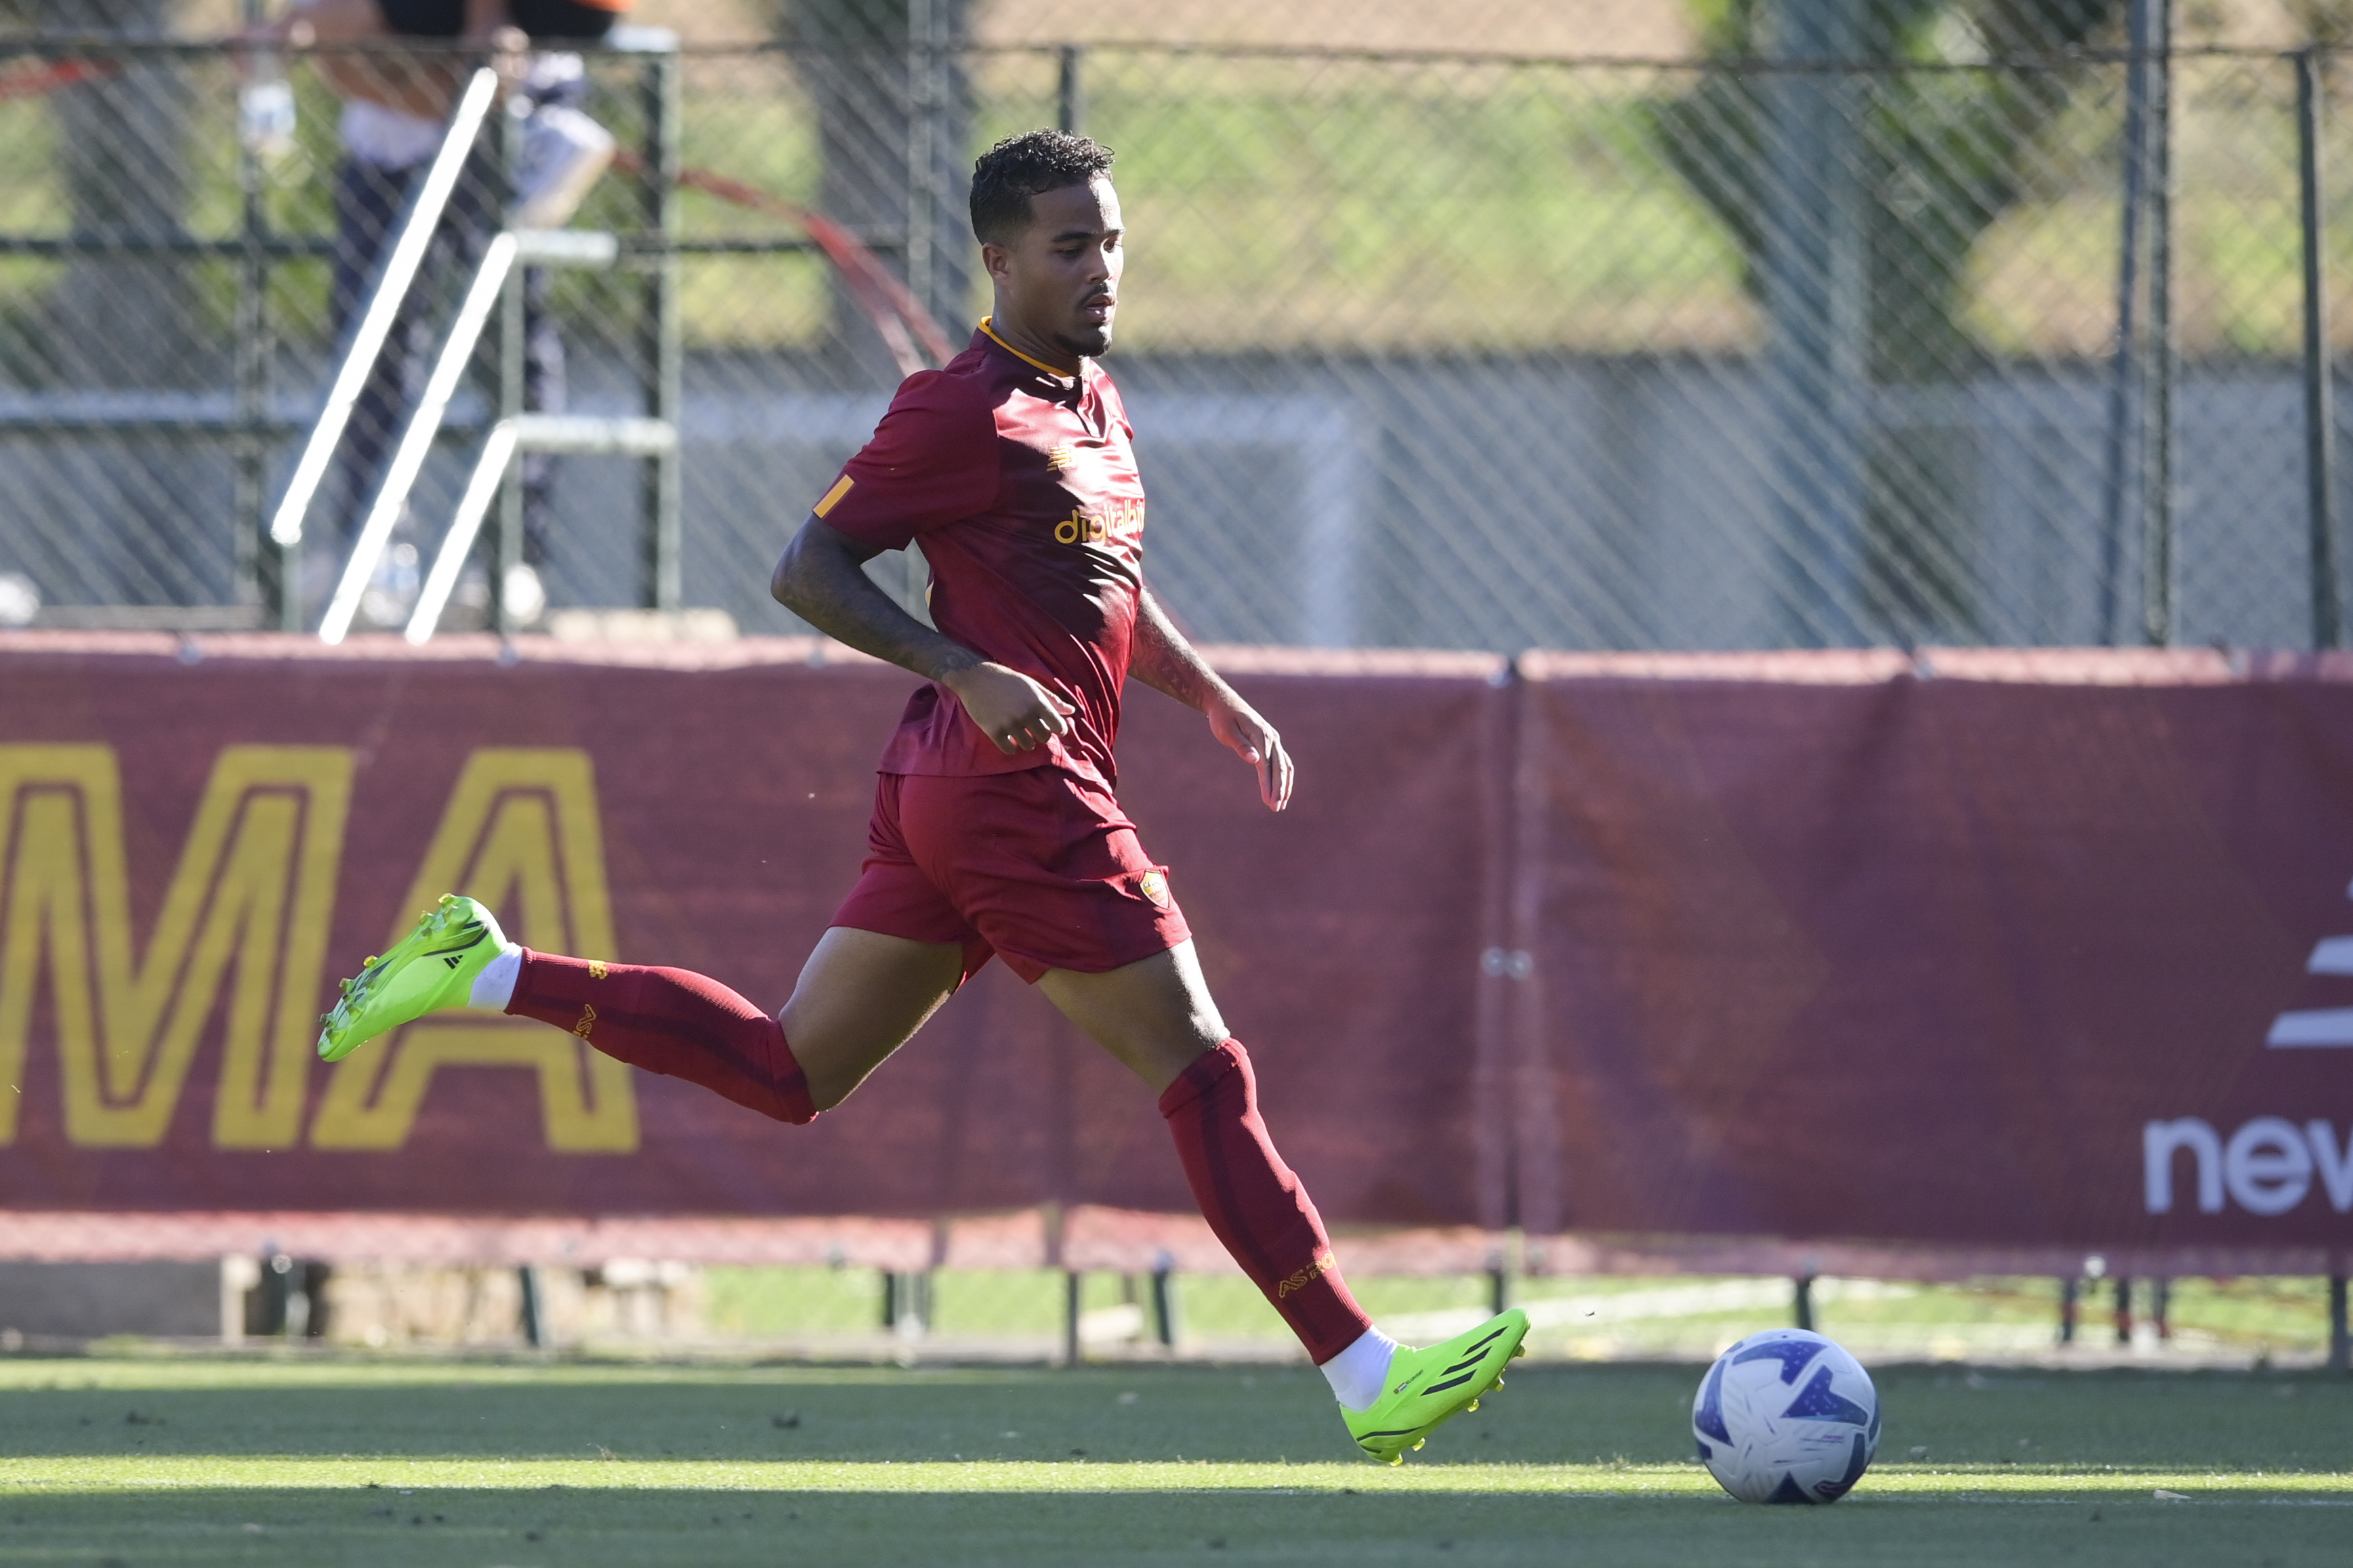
{"x":255,"y":889}
{"x":522,"y":833}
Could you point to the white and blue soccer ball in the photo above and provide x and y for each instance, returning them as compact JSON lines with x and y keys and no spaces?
{"x":1787,"y":1416}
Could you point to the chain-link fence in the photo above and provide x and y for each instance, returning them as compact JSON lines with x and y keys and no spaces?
{"x":1451,"y":352}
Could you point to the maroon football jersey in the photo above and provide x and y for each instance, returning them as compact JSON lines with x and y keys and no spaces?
{"x":1021,"y":488}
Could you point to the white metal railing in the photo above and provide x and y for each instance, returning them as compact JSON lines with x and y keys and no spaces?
{"x":376,"y":322}
{"x":514,"y":434}
{"x":523,"y":432}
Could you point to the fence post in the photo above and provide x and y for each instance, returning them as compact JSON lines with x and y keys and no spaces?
{"x":534,"y":1316}
{"x":1165,"y":1322}
{"x":2125,"y":373}
{"x":1802,"y":1301}
{"x":1814,"y":285}
{"x":923,"y":151}
{"x":657,"y":342}
{"x":2340,"y":1340}
{"x":1070,"y":92}
{"x":261,"y":566}
{"x":2319,"y":379}
{"x":506,"y":553}
{"x":2156,"y":557}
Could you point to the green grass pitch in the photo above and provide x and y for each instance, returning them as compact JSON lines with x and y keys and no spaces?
{"x":317,"y":1460}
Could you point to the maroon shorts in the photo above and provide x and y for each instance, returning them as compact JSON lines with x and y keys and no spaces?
{"x":1040,"y":867}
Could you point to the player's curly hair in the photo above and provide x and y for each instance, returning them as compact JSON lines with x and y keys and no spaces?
{"x":1022,"y":166}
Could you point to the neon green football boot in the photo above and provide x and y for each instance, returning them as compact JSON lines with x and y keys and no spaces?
{"x":1425,"y":1389}
{"x":431,"y":968}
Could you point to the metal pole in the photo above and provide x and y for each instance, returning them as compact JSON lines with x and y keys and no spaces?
{"x":2341,"y":1341}
{"x":1814,"y":288}
{"x":2319,"y":378}
{"x":2157,"y":560}
{"x":1069,"y":101}
{"x":1072,"y":1279}
{"x":514,"y":327}
{"x":417,"y":440}
{"x":1802,"y":1301}
{"x":1164,"y":1301}
{"x":2127,"y":358}
{"x":657,"y":343}
{"x":260,"y":566}
{"x":922,"y":96}
{"x":535,"y":1315}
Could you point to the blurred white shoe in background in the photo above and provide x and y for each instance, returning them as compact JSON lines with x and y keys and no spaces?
{"x":526,"y":597}
{"x":563,"y":152}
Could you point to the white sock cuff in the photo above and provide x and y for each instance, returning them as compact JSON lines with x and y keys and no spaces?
{"x":494,"y":986}
{"x":1357,"y":1373}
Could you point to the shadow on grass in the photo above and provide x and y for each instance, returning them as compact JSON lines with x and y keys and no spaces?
{"x":1547,"y":1415}
{"x":587,"y":1527}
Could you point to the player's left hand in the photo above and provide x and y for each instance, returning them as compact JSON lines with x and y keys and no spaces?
{"x":1254,"y":740}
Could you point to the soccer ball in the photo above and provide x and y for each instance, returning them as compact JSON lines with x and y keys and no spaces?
{"x":1786,"y":1417}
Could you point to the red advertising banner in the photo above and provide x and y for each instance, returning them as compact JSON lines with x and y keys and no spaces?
{"x":198,"y":838}
{"x":1970,"y":952}
{"x":2026,"y":951}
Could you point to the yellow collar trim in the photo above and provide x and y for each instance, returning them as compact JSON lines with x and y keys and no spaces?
{"x":1025,"y":359}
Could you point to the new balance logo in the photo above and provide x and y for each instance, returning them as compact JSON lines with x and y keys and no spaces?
{"x":2318,"y":1026}
{"x":2269,"y":1165}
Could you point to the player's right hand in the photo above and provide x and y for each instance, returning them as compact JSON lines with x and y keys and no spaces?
{"x":1014,"y":711}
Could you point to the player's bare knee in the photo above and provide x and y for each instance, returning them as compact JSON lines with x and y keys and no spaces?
{"x":826,"y":1093}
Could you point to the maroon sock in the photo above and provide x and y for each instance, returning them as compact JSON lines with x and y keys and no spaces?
{"x":1254,"y":1202}
{"x":669,"y":1021}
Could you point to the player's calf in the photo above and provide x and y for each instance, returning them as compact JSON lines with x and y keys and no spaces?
{"x":667,"y":1021}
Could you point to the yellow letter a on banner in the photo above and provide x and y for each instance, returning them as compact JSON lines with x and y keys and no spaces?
{"x":522,"y":833}
{"x":254,"y":891}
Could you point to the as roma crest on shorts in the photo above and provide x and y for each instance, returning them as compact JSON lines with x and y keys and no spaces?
{"x":1154,"y":886}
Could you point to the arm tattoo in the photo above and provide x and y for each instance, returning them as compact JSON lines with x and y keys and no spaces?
{"x":1164,"y":661}
{"x":821,"y":580}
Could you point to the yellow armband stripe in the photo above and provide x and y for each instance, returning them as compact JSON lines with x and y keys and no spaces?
{"x":840,"y":489}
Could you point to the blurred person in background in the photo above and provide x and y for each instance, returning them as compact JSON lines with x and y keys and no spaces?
{"x":394,"y":110}
{"x":563,"y":150}
{"x":384,"y":152}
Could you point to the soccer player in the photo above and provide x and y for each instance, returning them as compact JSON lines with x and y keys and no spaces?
{"x":995,"y":828}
